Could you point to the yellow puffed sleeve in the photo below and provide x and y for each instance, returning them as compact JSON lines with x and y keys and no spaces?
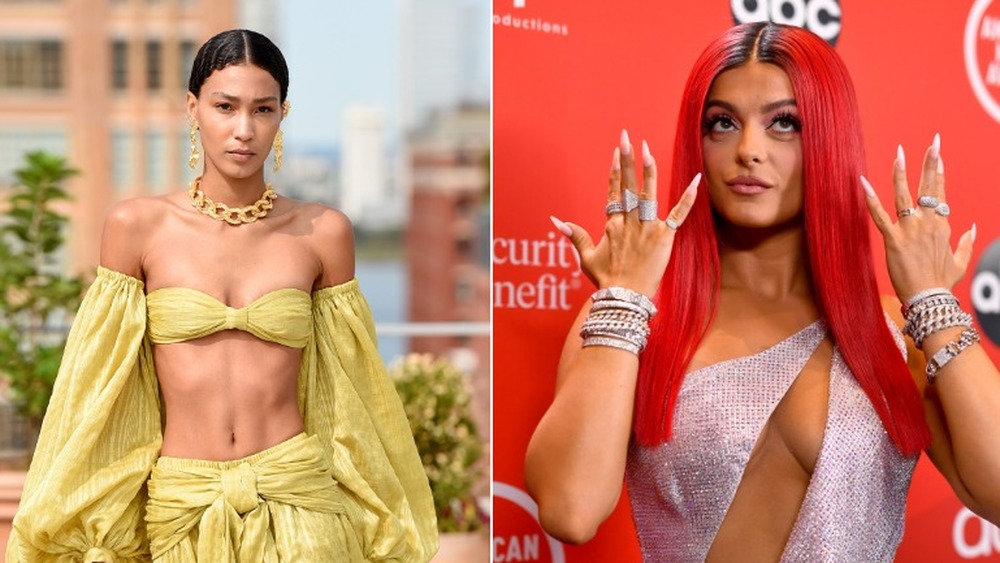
{"x":84,"y":495}
{"x":347,"y":399}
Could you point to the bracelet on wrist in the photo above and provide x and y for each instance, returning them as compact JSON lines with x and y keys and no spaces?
{"x":949,"y":351}
{"x":619,"y":318}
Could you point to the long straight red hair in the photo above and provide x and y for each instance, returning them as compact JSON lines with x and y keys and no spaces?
{"x":837,"y":237}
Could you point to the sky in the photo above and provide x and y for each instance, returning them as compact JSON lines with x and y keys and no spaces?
{"x":338,"y":53}
{"x":341,"y":53}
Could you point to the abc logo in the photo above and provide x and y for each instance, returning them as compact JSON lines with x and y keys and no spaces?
{"x":986,"y":292}
{"x":821,"y":17}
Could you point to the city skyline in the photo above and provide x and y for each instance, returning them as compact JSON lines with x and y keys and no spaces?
{"x":316,"y":35}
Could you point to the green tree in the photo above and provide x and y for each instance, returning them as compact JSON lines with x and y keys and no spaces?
{"x":34,"y":294}
{"x":437,"y":399}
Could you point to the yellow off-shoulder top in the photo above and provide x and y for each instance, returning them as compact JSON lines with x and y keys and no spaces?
{"x":85,"y":492}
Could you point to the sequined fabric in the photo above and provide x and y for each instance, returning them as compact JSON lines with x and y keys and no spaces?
{"x":681,"y":490}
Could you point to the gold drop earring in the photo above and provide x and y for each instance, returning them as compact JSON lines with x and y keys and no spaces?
{"x":279,"y":148}
{"x":195,"y":155}
{"x":279,"y":138}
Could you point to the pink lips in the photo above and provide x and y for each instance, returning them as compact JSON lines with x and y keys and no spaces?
{"x":240,"y":155}
{"x":748,"y":185}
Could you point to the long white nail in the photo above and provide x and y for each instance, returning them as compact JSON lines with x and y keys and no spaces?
{"x":936,"y":146}
{"x":563,"y":227}
{"x":973,"y":235}
{"x":626,"y":145}
{"x":616,"y":159}
{"x":869,"y":190}
{"x":940,"y":165}
{"x":900,"y":158}
{"x":647,"y":158}
{"x":693,"y":186}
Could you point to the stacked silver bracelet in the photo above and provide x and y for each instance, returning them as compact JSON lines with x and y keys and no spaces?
{"x":968,"y":337}
{"x":930,"y":311}
{"x":619,"y":318}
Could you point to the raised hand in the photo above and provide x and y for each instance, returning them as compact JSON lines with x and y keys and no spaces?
{"x":917,"y":246}
{"x":636,"y":245}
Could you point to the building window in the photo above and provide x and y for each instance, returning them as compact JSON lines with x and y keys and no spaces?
{"x":119,"y":65}
{"x":154,"y":65}
{"x":465,"y":289}
{"x":30,"y":65}
{"x":121,"y":157}
{"x":14,"y":143}
{"x":187,"y":60}
{"x":156,"y":169}
{"x":51,"y":65}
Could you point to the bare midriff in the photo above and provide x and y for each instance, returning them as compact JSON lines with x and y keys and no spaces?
{"x":227,"y":395}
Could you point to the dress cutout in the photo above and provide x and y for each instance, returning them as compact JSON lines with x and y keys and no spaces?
{"x":681,"y":490}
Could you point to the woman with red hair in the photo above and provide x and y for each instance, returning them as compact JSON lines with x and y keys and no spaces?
{"x":737,"y":365}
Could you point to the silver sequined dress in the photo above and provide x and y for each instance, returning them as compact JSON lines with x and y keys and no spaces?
{"x":681,"y":490}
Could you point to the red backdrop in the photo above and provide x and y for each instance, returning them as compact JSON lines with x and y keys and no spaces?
{"x":569,"y":75}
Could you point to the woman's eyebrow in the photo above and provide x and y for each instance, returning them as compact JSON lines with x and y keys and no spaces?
{"x":233,"y":98}
{"x":766,"y":108}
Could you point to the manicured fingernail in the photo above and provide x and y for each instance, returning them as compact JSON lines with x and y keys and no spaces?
{"x":616,"y":159}
{"x":563,"y":227}
{"x":626,"y":145}
{"x":940,"y":166}
{"x":900,"y":157}
{"x":693,"y":186}
{"x":973,"y":235}
{"x":647,"y":158}
{"x":869,"y":190}
{"x":936,"y":146}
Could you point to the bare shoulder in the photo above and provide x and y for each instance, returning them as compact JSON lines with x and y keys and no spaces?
{"x":331,"y":236}
{"x":126,"y":233}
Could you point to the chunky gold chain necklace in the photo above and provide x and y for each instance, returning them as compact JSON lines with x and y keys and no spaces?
{"x":233,"y":216}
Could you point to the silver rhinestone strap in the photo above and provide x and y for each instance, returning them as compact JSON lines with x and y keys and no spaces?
{"x":968,"y":337}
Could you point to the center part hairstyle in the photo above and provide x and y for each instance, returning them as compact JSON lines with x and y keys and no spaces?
{"x":237,"y":47}
{"x":836,"y":229}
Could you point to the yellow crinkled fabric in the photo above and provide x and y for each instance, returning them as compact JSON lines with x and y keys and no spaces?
{"x":85,"y":494}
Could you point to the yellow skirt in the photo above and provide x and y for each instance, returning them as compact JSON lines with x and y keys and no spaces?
{"x":275,"y":506}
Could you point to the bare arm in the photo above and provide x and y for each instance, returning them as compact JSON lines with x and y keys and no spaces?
{"x":575,"y":461}
{"x":963,"y":405}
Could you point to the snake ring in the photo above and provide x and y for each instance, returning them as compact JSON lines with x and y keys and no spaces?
{"x":906,"y":212}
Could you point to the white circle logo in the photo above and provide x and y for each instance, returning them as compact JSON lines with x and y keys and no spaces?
{"x":982,"y":30}
{"x":822,"y":17}
{"x":519,"y":537}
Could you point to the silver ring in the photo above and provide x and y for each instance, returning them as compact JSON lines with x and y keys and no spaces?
{"x":672,"y":224}
{"x":647,"y":209}
{"x":631,"y":200}
{"x":906,"y":212}
{"x":928,"y":201}
{"x":613,"y":207}
{"x":942,"y":209}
